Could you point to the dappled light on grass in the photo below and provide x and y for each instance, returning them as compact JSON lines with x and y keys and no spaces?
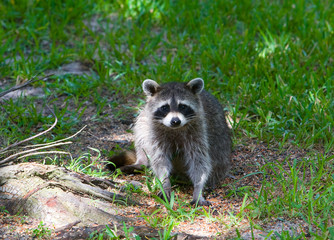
{"x":270,"y":44}
{"x":138,"y":8}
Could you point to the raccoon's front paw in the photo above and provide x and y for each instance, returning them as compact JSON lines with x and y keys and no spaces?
{"x":164,"y":196}
{"x":200,"y":202}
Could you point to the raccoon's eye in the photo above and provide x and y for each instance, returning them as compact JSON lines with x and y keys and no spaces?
{"x":182,"y":107}
{"x":164,"y":108}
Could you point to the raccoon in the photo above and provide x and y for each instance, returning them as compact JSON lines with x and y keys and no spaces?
{"x":182,"y":129}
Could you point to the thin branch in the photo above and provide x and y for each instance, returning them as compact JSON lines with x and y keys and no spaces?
{"x":41,"y":146}
{"x":61,"y":140}
{"x":29,"y":151}
{"x":35,"y":136}
{"x":39,"y":153}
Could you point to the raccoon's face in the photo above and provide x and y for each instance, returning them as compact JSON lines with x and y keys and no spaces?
{"x":174,"y":113}
{"x":173,"y":104}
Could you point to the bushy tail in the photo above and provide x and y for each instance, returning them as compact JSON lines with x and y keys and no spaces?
{"x":121,"y":160}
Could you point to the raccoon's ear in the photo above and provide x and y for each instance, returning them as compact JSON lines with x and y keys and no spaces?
{"x":196,"y":85}
{"x":150,"y":87}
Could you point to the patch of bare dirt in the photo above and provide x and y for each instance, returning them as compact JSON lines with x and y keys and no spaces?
{"x":29,"y":91}
{"x":16,"y":227}
{"x":77,"y":68}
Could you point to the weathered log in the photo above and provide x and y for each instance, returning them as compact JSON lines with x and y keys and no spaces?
{"x":58,"y":197}
{"x":73,"y":205}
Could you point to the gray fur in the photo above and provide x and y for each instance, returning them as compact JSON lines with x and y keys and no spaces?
{"x":201,"y":148}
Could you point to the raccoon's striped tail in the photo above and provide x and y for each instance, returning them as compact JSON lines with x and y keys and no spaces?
{"x":123,"y":159}
{"x":125,"y":162}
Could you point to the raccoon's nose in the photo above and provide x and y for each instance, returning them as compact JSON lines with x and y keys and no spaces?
{"x":175,"y":122}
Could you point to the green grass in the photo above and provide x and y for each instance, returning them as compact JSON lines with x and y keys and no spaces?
{"x":269,"y":62}
{"x":41,"y":232}
{"x":304,"y":190}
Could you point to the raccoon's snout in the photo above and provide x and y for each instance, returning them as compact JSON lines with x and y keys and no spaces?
{"x":175,"y":122}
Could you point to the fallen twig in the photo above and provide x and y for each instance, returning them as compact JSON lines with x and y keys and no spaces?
{"x":34,"y":151}
{"x":36,"y":147}
{"x":35,"y":136}
{"x":61,"y":140}
{"x":29,"y":151}
{"x":40,"y":153}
